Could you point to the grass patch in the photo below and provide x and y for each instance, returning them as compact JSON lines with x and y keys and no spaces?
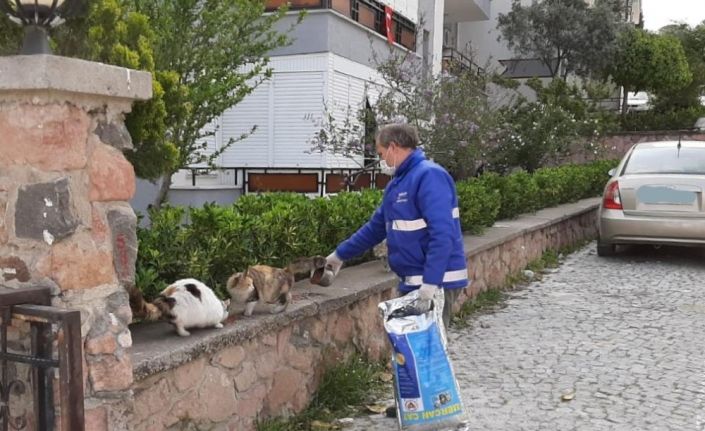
{"x":344,"y":390}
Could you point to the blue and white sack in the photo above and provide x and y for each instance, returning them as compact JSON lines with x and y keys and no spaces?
{"x":425,"y":388}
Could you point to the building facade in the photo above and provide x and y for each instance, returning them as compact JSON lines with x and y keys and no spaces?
{"x":329,"y":68}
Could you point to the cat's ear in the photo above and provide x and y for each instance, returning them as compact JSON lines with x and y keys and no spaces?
{"x":233,"y":280}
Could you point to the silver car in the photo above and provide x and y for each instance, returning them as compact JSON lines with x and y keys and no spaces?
{"x":655,"y":196}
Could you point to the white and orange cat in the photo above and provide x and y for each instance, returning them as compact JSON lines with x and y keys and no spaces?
{"x":189,"y":303}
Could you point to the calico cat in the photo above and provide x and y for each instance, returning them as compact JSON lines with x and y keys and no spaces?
{"x":261,"y":283}
{"x":141,"y":309}
{"x":270,"y":285}
{"x":188,"y":303}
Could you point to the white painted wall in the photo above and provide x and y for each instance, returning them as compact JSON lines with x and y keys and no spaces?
{"x":287,"y":110}
{"x":408,"y":8}
{"x":480,"y":37}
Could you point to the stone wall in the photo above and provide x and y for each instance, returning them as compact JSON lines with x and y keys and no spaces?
{"x":271,"y":365}
{"x":616,"y":145}
{"x":64,"y":217}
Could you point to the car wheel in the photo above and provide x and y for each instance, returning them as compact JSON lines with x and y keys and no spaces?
{"x":606,"y":250}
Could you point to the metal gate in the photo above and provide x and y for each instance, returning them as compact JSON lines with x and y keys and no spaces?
{"x":55,"y":344}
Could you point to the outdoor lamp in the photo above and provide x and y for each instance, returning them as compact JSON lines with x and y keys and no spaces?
{"x":36,"y":16}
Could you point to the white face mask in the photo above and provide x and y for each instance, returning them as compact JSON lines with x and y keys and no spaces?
{"x":385,"y":168}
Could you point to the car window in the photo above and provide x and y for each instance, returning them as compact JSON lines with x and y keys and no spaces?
{"x":665,"y":160}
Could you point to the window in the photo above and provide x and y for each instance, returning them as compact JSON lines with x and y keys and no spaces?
{"x":367,"y":16}
{"x":342,"y":6}
{"x":667,"y":160}
{"x":293,"y":4}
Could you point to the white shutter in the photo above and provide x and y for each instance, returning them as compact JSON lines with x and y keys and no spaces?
{"x":253,"y":110}
{"x":298,"y":102}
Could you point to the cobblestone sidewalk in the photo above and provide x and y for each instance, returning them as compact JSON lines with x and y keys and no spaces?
{"x":623,"y":336}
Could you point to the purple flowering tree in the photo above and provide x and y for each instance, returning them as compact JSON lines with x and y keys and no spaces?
{"x":450,"y":111}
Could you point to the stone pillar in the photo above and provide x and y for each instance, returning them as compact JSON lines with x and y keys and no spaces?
{"x":64,"y":216}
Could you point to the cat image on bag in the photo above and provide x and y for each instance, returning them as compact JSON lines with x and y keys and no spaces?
{"x":188,"y":303}
{"x":380,"y":252}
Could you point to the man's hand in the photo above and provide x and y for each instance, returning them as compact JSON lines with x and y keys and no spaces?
{"x":426,"y":291}
{"x":333,"y":263}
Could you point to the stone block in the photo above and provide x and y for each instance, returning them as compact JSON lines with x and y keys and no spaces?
{"x":125,"y":340}
{"x":218,"y":389}
{"x":114,"y":134}
{"x":152,"y":399}
{"x":246,"y":377}
{"x":44,"y":212}
{"x":266,"y":364}
{"x":190,"y":405}
{"x":77,"y":264}
{"x":112,"y":177}
{"x":104,"y":344}
{"x":343,"y":330}
{"x":250,"y":403}
{"x":118,"y":303}
{"x":3,"y":215}
{"x":48,"y":137}
{"x":123,"y":228}
{"x":286,"y":388}
{"x":231,"y":357}
{"x":96,"y":419}
{"x":99,"y":226}
{"x":189,"y":375}
{"x":13,"y":268}
{"x":110,"y":372}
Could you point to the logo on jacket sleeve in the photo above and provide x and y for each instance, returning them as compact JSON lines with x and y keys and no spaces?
{"x":402,"y":197}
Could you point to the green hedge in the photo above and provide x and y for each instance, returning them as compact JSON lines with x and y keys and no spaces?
{"x":674,"y":119}
{"x":275,"y":228}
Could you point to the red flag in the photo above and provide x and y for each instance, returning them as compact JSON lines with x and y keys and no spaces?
{"x":388,"y":14}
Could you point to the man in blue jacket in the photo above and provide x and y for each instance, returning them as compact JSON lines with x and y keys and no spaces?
{"x":419,"y":217}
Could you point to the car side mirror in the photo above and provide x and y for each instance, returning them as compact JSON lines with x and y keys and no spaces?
{"x":611,"y":172}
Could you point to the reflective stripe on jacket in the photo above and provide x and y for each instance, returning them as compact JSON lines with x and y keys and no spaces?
{"x":419,"y":216}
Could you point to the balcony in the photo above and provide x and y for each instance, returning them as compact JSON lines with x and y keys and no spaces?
{"x":454,"y":62}
{"x":466,"y":10}
{"x":368,"y":13}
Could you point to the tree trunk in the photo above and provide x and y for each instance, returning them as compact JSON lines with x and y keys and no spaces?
{"x":163,"y":191}
{"x":625,"y":100}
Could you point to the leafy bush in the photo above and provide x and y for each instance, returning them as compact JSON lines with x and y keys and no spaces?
{"x":479,"y":205}
{"x":212,"y":242}
{"x":560,"y":123}
{"x":674,"y":119}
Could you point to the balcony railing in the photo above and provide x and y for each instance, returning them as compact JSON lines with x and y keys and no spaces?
{"x":369,"y":13}
{"x":453,"y":61}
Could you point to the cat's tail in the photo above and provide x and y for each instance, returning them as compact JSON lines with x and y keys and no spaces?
{"x":141,"y":309}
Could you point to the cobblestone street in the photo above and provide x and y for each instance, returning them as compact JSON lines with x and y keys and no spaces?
{"x":623,"y":336}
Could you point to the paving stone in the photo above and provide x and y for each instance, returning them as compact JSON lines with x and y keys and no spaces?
{"x":625,"y":333}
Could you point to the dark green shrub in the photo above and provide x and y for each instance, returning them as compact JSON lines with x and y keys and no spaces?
{"x":479,"y":205}
{"x":672,"y":119}
{"x":551,"y":183}
{"x":518,"y":193}
{"x":212,"y":242}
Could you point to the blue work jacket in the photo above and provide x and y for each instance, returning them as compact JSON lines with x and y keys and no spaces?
{"x":419,"y":217}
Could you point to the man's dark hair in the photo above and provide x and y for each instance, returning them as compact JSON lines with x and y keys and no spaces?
{"x":404,"y":135}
